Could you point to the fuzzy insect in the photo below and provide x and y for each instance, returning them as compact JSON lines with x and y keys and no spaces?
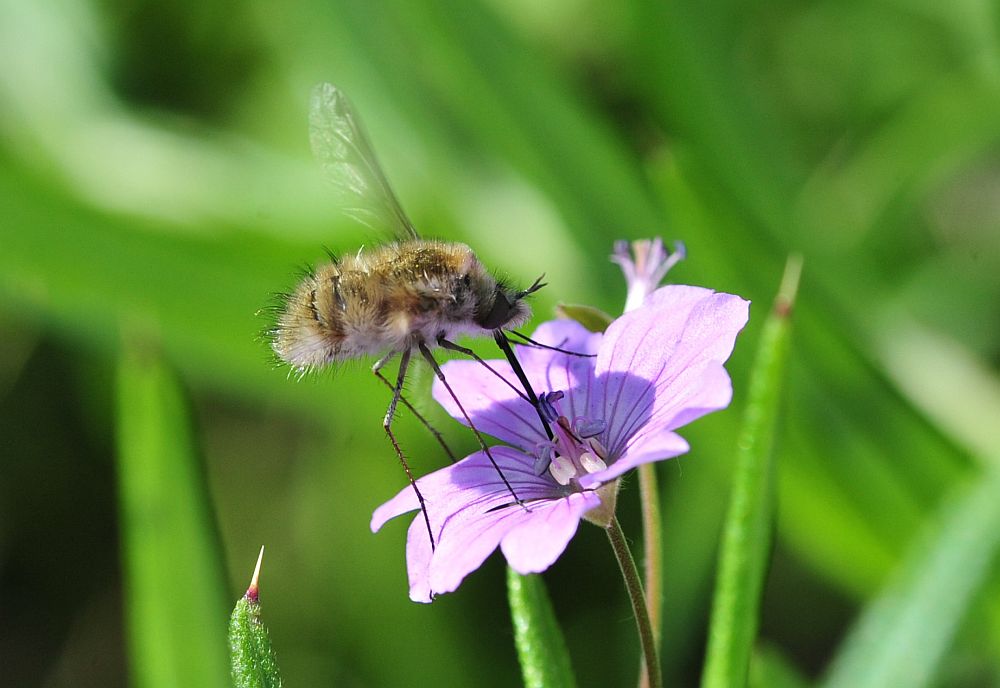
{"x":408,"y":296}
{"x":390,"y":299}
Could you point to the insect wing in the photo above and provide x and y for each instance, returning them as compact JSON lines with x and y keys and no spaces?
{"x":343,"y":150}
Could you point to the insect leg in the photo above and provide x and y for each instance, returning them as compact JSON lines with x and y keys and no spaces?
{"x":416,"y":414}
{"x":452,"y":346}
{"x":530,"y":397}
{"x":397,"y":392}
{"x":429,"y":357}
{"x":531,"y":342}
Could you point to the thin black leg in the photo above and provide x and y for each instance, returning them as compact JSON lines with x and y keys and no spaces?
{"x":538,"y":345}
{"x":482,"y":443}
{"x":452,"y":346}
{"x":416,"y":414}
{"x":397,"y":392}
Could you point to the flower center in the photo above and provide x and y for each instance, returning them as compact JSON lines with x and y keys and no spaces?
{"x":575,"y":450}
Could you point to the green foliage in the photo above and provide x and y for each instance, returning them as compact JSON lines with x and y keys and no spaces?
{"x":251,"y":655}
{"x":746,"y":535}
{"x":770,"y":669}
{"x":135,"y":189}
{"x":173,"y":584}
{"x":904,"y":632}
{"x":253,"y":662}
{"x":541,"y":648}
{"x":594,"y":319}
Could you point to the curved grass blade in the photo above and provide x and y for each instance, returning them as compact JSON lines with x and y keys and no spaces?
{"x":746,"y":539}
{"x":253,"y":662}
{"x":174,"y":593}
{"x":903,"y":634}
{"x":541,"y":648}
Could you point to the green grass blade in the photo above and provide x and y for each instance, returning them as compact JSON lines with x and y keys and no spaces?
{"x":175,"y":602}
{"x":902,"y":635}
{"x":541,"y":648}
{"x":769,"y":668}
{"x":253,"y":662}
{"x":746,"y":540}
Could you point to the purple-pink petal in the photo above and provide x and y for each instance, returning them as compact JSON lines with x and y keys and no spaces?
{"x":495,"y":407}
{"x":691,"y":395}
{"x":656,"y":369}
{"x":404,"y":502}
{"x":646,"y":449}
{"x":449,"y":488}
{"x":660,"y":366}
{"x":472,"y":512}
{"x":418,"y":560}
{"x":535,"y":545}
{"x":532,"y":536}
{"x":469,"y":536}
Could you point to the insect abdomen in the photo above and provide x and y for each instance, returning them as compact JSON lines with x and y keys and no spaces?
{"x":387,"y":299}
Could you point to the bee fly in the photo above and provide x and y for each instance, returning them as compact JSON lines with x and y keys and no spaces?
{"x":409,"y":295}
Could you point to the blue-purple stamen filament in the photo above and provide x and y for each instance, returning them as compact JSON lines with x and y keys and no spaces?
{"x":546,"y":402}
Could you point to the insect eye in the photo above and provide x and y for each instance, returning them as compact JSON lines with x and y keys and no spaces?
{"x":498,"y":315}
{"x":466,"y":280}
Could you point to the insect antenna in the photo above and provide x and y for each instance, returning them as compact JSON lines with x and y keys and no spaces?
{"x":531,"y":342}
{"x":397,"y":395}
{"x":536,"y":285}
{"x":429,"y":357}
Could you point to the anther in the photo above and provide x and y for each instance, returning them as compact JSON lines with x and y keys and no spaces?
{"x":562,"y":469}
{"x":597,"y":447}
{"x":546,"y":403}
{"x":544,"y":457}
{"x":591,"y":463}
{"x":585,"y":427}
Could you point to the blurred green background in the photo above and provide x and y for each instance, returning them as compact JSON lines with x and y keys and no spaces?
{"x":156,"y":187}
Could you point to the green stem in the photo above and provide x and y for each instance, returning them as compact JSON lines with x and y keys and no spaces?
{"x":633,"y":584}
{"x":652,"y":540}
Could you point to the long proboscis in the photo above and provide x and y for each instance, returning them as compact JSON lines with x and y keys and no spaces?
{"x":501,"y":340}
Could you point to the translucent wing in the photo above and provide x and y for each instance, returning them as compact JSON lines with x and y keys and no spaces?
{"x":342,"y":148}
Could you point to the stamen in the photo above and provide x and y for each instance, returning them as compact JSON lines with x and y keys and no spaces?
{"x":544,"y":457}
{"x":579,"y":451}
{"x":546,"y":403}
{"x":597,"y":447}
{"x":591,"y":463}
{"x":562,"y":469}
{"x":585,"y":427}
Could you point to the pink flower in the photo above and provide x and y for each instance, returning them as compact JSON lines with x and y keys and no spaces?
{"x":657,"y":368}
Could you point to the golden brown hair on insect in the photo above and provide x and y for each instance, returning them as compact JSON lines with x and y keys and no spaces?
{"x":391,"y":300}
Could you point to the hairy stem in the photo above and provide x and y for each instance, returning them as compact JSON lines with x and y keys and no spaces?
{"x":633,"y":584}
{"x":652,"y":540}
